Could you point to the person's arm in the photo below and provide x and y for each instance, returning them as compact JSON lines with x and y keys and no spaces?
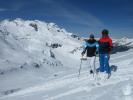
{"x":97,"y":47}
{"x":84,"y":45}
{"x":84,"y":51}
{"x":111,"y":44}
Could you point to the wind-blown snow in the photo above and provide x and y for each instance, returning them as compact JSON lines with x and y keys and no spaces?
{"x":40,"y":61}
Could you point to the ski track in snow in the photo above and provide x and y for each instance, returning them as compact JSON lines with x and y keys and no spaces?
{"x":77,"y":85}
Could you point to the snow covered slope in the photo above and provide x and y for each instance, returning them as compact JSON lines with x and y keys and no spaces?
{"x":28,"y":49}
{"x":40,"y":61}
{"x":31,"y":42}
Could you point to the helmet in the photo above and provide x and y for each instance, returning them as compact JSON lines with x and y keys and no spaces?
{"x":105,"y":32}
{"x":91,"y":35}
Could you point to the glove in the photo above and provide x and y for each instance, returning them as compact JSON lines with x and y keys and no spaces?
{"x":82,"y":53}
{"x":96,"y":52}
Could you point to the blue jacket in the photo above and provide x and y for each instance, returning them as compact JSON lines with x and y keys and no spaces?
{"x":91,"y":47}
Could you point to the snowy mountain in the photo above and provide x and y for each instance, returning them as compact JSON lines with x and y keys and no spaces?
{"x":121,"y":45}
{"x":40,"y":61}
{"x":29,"y":42}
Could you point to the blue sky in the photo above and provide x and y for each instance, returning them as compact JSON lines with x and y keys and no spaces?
{"x":78,"y":16}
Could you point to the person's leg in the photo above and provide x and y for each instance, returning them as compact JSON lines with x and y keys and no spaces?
{"x":106,"y":62}
{"x":92,"y":63}
{"x":89,"y":63}
{"x":101,"y":60}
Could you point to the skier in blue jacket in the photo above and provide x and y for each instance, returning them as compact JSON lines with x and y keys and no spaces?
{"x":91,"y":48}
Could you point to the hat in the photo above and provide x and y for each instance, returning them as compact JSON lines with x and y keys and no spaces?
{"x":91,"y":35}
{"x":105,"y":32}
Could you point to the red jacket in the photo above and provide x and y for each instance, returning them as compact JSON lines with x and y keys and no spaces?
{"x":105,"y":44}
{"x":106,"y":39}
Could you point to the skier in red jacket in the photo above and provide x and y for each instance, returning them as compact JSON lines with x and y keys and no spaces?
{"x":105,"y":46}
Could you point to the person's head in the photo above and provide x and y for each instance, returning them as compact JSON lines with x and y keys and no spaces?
{"x":92,"y":36}
{"x":105,"y":32}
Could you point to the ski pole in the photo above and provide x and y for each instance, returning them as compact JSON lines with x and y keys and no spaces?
{"x":95,"y":70}
{"x":94,"y":65}
{"x":80,"y":67}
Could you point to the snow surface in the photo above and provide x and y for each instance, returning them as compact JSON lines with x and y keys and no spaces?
{"x":31,"y":68}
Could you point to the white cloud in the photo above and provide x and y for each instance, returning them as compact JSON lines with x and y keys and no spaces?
{"x":77,"y":15}
{"x":3,"y":9}
{"x":12,"y":9}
